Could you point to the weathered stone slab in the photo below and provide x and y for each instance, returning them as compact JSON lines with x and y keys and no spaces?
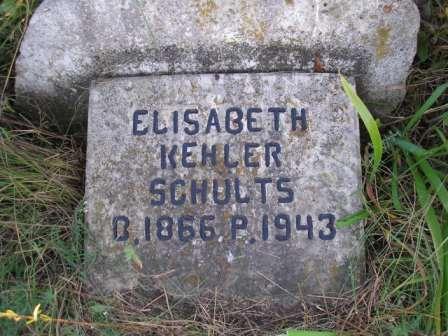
{"x":287,"y":144}
{"x":68,"y":43}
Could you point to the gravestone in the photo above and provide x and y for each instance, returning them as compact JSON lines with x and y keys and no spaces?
{"x":221,"y":147}
{"x":226,"y":182}
{"x":68,"y":43}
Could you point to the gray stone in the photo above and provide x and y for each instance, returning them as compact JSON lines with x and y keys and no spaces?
{"x":68,"y":43}
{"x":319,"y":153}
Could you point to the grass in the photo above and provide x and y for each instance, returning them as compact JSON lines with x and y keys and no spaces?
{"x":369,"y":123}
{"x":40,"y":228}
{"x":406,"y":211}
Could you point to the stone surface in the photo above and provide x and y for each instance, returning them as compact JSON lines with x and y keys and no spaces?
{"x":313,"y":161}
{"x":68,"y":43}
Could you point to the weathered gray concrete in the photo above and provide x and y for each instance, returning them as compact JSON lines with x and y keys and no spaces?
{"x":320,"y":157}
{"x":68,"y":43}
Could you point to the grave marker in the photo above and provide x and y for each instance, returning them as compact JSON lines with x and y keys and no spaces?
{"x":231,"y":182}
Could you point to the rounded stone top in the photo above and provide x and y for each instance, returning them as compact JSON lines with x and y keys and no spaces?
{"x":69,"y":43}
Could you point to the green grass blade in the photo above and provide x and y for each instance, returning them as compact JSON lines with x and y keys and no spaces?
{"x":410,"y":147}
{"x":425,"y":200}
{"x":368,"y":121}
{"x":394,"y":185}
{"x":436,"y":307}
{"x":436,"y":182}
{"x":431,"y":174}
{"x":442,"y":138}
{"x":444,"y":117}
{"x":440,"y":302}
{"x":444,"y":294}
{"x":426,"y":106}
{"x":351,"y":219}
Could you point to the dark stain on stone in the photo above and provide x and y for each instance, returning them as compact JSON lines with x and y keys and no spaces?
{"x":298,"y":133}
{"x":387,"y":8}
{"x":225,"y":58}
{"x":289,"y":2}
{"x":233,"y":57}
{"x":319,"y":66}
